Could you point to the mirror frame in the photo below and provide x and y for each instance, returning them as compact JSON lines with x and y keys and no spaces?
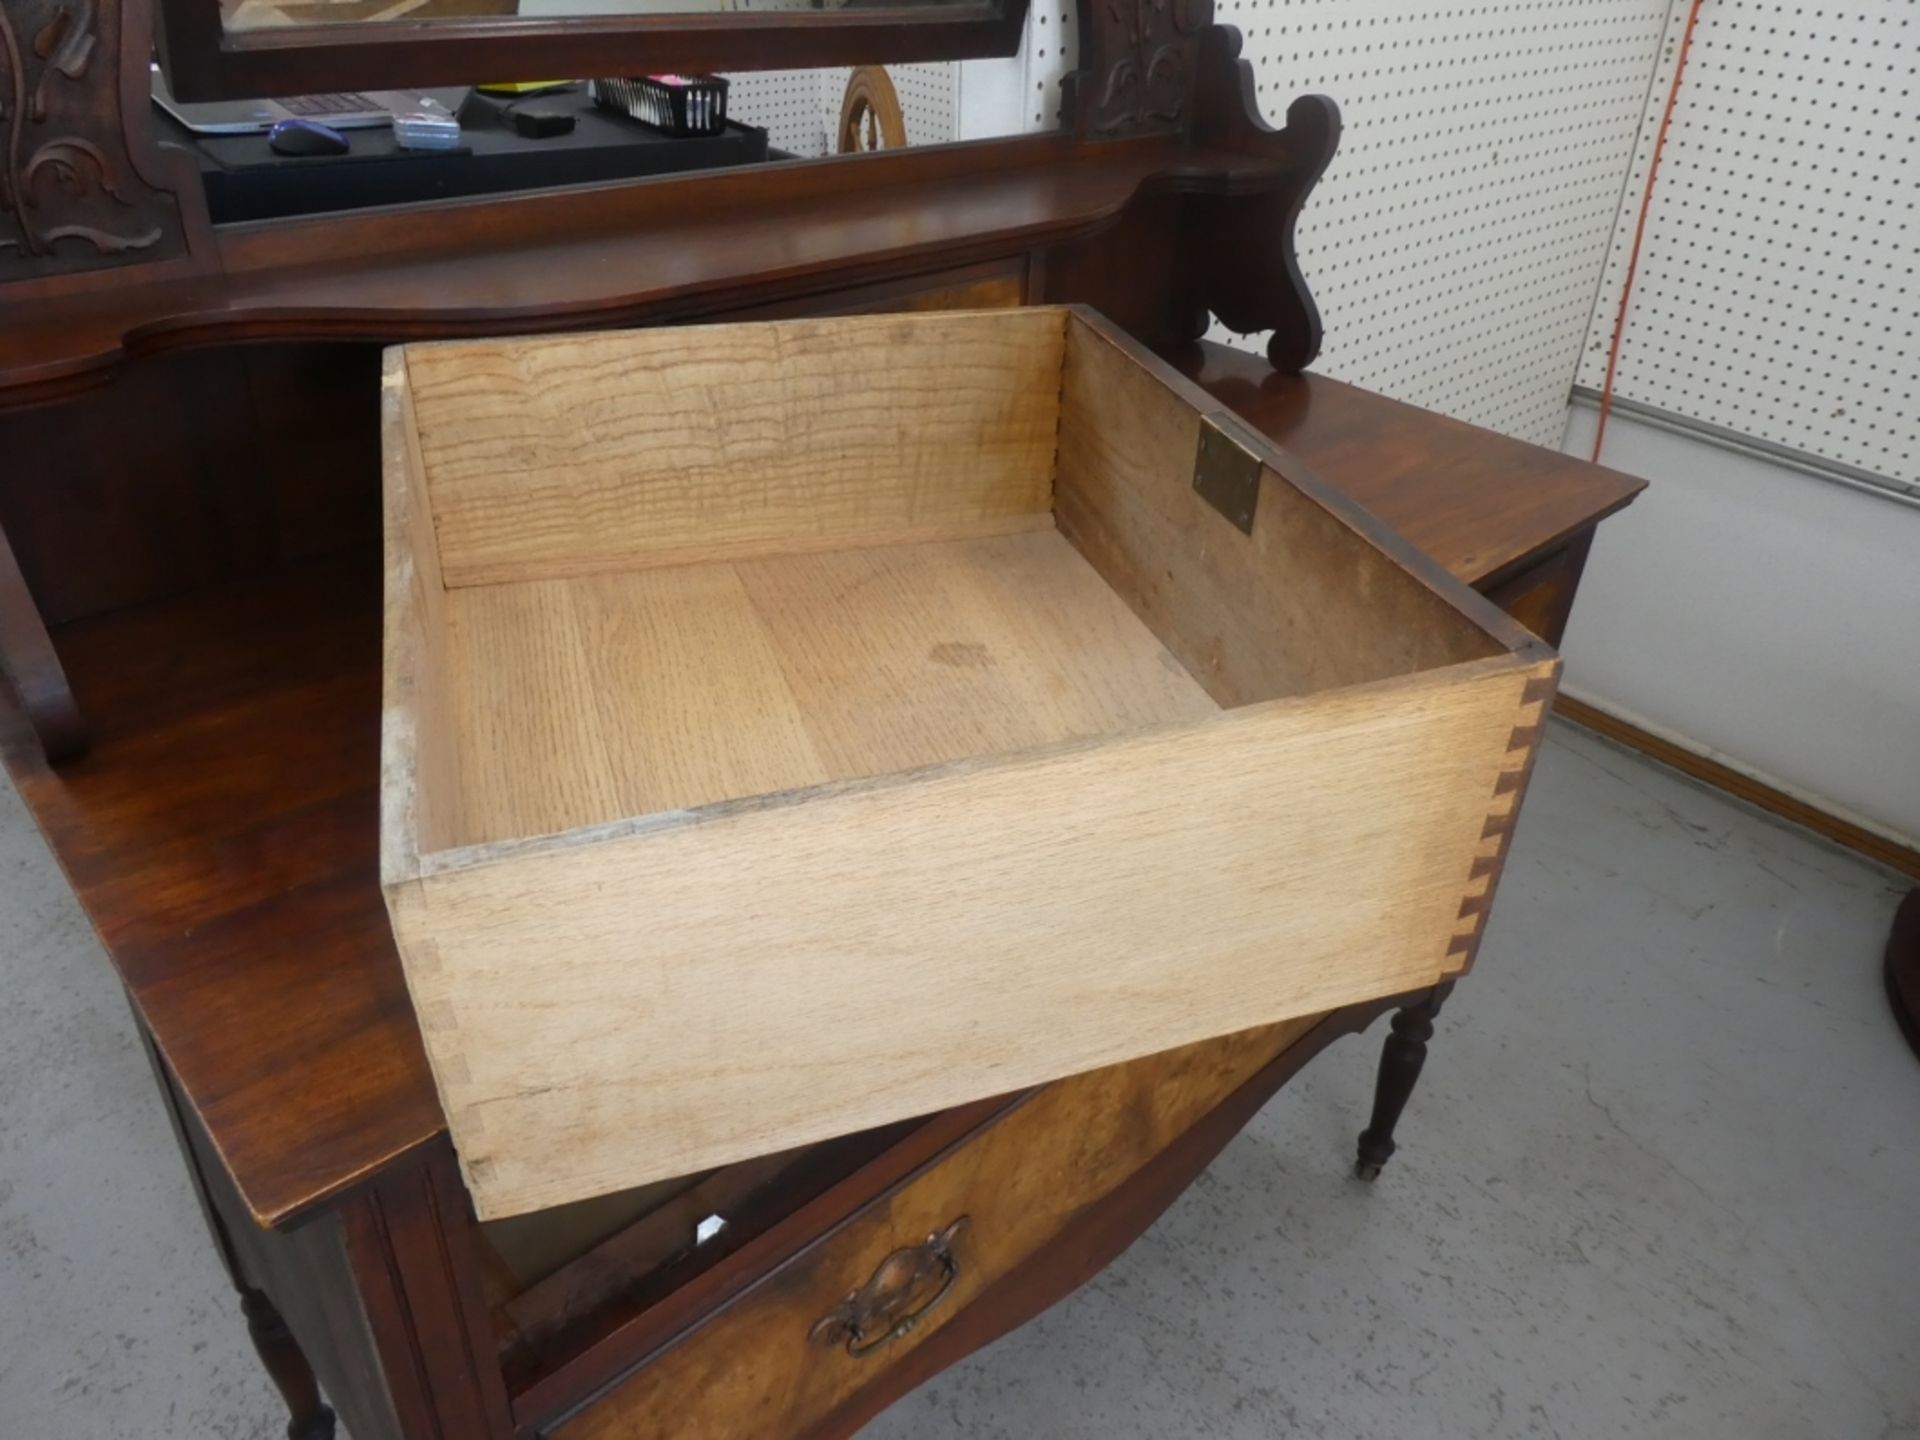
{"x":203,"y":61}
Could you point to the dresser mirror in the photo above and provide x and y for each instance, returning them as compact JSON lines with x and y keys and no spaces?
{"x":237,"y":16}
{"x":242,"y":49}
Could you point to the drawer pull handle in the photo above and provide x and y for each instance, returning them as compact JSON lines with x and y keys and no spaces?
{"x":891,"y":1303}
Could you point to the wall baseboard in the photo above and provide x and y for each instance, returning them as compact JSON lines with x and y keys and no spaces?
{"x":1888,"y":852}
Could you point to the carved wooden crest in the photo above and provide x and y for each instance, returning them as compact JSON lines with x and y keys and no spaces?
{"x":71,"y":196}
{"x":1142,"y":54}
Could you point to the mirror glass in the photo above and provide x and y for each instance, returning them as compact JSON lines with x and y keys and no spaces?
{"x":237,"y":15}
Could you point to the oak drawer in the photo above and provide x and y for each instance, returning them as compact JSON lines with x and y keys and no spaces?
{"x":779,"y":1359}
{"x":794,"y":728}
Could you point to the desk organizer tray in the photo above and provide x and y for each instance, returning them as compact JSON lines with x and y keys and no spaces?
{"x":795,"y":727}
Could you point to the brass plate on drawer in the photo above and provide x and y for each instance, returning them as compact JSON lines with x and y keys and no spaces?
{"x":1226,"y":471}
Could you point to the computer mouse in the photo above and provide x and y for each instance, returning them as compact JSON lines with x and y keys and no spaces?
{"x":296,"y":136}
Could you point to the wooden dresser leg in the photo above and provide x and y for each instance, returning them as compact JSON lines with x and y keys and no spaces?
{"x":292,"y":1376}
{"x":27,"y":657}
{"x":1401,"y":1060}
{"x":1903,"y":968}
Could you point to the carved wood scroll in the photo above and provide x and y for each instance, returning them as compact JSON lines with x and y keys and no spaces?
{"x":71,"y":195}
{"x":1142,"y":57}
{"x":1248,"y":273}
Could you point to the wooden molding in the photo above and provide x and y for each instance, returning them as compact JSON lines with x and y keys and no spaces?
{"x":1856,"y":838}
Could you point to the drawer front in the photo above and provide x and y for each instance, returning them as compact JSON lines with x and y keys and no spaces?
{"x":795,"y":1349}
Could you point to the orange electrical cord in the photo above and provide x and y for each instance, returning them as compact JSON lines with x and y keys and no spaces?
{"x":1640,"y":229}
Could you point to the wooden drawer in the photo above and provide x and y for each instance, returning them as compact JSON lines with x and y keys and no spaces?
{"x":795,"y":728}
{"x":777,"y":1360}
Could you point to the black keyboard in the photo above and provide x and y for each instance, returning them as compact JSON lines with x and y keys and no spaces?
{"x":350,"y":104}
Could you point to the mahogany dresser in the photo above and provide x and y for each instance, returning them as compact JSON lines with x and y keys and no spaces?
{"x":190,"y":622}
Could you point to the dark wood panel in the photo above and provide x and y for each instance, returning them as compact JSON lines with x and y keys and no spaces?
{"x":625,"y":253}
{"x":410,"y":1238}
{"x":1540,"y":597}
{"x":1482,"y":505}
{"x":191,"y":470}
{"x":308,"y":1275}
{"x":230,"y":802}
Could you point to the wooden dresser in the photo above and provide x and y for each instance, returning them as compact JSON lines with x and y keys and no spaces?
{"x":190,"y":618}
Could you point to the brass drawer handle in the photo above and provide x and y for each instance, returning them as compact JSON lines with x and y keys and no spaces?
{"x":890,"y":1304}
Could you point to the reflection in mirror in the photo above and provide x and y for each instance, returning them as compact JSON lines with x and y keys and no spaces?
{"x":239,"y":15}
{"x":839,"y":110}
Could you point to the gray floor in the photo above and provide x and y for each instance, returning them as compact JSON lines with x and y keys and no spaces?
{"x":1660,"y":1180}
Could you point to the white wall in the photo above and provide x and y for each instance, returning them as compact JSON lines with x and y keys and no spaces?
{"x":1760,"y":614}
{"x":1750,"y":609}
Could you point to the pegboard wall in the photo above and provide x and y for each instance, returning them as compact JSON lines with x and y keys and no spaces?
{"x":1776,"y":294}
{"x":1457,"y":240}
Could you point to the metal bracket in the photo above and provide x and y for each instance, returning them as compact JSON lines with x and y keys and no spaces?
{"x":1226,"y":471}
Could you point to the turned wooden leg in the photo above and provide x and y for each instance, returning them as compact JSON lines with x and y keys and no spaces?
{"x":28,"y":659}
{"x":1400,"y":1061}
{"x":1903,"y":968}
{"x":292,"y":1376}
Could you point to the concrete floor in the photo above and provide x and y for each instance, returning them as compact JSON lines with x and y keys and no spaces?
{"x":1660,"y":1179}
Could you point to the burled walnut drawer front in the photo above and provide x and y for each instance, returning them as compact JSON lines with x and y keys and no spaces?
{"x":804,"y":1343}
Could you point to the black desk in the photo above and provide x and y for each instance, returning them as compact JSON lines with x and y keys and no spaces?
{"x":246,"y":181}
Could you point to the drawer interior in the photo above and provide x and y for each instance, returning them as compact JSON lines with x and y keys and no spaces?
{"x":795,"y":728}
{"x":583,"y":699}
{"x":673,"y":575}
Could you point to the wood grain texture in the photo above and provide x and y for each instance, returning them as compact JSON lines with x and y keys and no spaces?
{"x":1540,"y":596}
{"x":222,"y":832}
{"x":792,"y":844}
{"x":653,"y":251}
{"x":421,"y":799}
{"x":588,"y":700}
{"x":1302,"y":604}
{"x":1503,"y":814}
{"x":763,"y":975}
{"x":751,"y":1370}
{"x":1484,"y":506}
{"x":579,"y":454}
